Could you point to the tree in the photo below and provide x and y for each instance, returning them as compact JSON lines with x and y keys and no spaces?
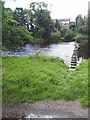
{"x":54,"y":37}
{"x":19,"y":16}
{"x":57,"y":25}
{"x":69,"y":35}
{"x":43,"y":20}
{"x":72,"y":27}
{"x":34,"y":6}
{"x":79,"y":21}
{"x":7,"y":21}
{"x":31,"y":13}
{"x":12,"y":33}
{"x":82,"y":24}
{"x":83,"y":29}
{"x":63,"y":31}
{"x":40,"y":19}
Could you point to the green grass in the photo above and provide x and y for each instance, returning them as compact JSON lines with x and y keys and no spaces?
{"x":26,"y":79}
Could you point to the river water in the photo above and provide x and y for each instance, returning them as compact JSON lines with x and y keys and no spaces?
{"x":63,"y":50}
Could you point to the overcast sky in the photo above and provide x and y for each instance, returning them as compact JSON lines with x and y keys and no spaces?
{"x":59,"y":8}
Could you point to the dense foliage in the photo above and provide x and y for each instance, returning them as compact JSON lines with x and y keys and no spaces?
{"x":55,"y":37}
{"x":69,"y":35}
{"x":35,"y":26}
{"x":82,"y":26}
{"x":23,"y":26}
{"x":12,"y":31}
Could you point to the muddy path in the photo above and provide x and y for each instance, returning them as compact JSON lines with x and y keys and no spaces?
{"x":45,"y":109}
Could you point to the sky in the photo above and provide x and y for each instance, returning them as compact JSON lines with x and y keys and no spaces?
{"x":59,"y":8}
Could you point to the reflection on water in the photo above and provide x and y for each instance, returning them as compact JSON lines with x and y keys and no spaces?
{"x":83,"y":50}
{"x":63,"y":50}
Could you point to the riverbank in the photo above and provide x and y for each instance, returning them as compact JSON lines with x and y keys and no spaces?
{"x":27,"y":79}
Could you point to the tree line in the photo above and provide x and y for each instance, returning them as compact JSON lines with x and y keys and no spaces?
{"x":35,"y":26}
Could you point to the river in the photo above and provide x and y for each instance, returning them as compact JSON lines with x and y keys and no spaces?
{"x":63,"y":50}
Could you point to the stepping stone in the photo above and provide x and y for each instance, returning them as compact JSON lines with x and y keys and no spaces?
{"x":73,"y":67}
{"x":73,"y":60}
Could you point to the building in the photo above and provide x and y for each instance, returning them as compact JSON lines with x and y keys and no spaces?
{"x":72,"y":23}
{"x":64,"y":22}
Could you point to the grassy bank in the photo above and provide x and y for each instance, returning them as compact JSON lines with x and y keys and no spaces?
{"x":40,"y":77}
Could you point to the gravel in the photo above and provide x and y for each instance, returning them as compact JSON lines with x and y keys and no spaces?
{"x":45,"y":109}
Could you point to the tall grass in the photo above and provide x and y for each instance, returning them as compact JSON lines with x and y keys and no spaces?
{"x":26,"y":79}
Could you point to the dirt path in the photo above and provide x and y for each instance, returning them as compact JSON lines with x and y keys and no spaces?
{"x":45,"y":109}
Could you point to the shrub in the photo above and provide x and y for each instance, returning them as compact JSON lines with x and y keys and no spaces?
{"x":83,"y":29}
{"x":38,"y":41}
{"x":39,"y":32}
{"x":81,"y":36}
{"x":63,"y":31}
{"x":16,"y":35}
{"x":54,"y":37}
{"x":24,"y":35}
{"x":69,"y":35}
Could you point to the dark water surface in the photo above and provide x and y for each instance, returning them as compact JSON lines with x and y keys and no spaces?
{"x":63,"y":50}
{"x":83,"y":50}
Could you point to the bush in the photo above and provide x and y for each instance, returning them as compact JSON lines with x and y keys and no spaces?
{"x":37,"y":41}
{"x":16,"y":35}
{"x":83,"y":29}
{"x":63,"y":31}
{"x":69,"y":35}
{"x":24,"y":35}
{"x":81,"y":36}
{"x":54,"y":37}
{"x":39,"y":32}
